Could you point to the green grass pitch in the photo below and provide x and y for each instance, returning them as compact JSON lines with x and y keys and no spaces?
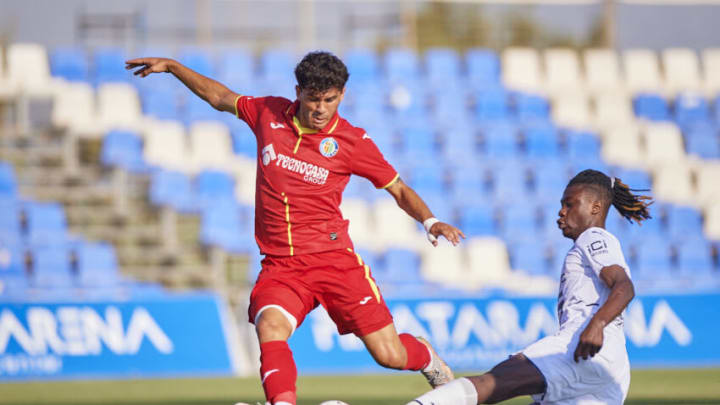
{"x":698,"y":386}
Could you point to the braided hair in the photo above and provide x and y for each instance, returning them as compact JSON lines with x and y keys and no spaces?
{"x":631,"y":206}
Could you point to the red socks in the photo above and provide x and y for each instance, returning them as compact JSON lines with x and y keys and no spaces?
{"x":418,"y":355}
{"x":278,"y":372}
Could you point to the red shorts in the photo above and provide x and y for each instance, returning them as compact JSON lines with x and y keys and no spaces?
{"x":338,"y":280}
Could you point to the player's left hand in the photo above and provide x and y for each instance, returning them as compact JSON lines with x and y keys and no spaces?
{"x":451,"y":233}
{"x":590,"y":342}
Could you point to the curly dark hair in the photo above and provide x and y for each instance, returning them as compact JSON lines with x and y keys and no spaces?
{"x":614,"y":191}
{"x":321,"y":71}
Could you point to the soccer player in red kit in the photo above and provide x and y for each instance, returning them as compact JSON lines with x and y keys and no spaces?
{"x":306,"y":155}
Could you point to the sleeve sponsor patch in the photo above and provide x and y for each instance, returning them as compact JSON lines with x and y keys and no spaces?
{"x":598,"y":247}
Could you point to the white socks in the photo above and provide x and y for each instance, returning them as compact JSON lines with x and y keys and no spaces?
{"x":457,"y":392}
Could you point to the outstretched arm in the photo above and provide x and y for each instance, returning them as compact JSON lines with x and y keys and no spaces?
{"x":218,"y":96}
{"x":410,"y":202}
{"x":622,"y":292}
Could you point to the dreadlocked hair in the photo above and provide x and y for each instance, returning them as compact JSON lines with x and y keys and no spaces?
{"x":631,"y":206}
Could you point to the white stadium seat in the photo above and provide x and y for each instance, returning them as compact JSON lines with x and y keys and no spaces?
{"x":395,"y":228}
{"x":712,"y":222}
{"x":119,"y":107}
{"x":663,"y":144}
{"x":29,"y":70}
{"x":708,"y":185}
{"x":361,"y":222}
{"x":621,"y":146}
{"x":74,"y":109}
{"x":572,"y":111}
{"x":165,"y":146}
{"x":711,"y":70}
{"x":613,"y":110}
{"x":521,"y":69}
{"x":210,"y":146}
{"x":642,"y":72}
{"x":5,"y":87}
{"x":488,"y":261}
{"x":445,"y":264}
{"x":245,"y":176}
{"x":672,"y":183}
{"x":562,"y":70}
{"x":682,"y":71}
{"x":602,"y":71}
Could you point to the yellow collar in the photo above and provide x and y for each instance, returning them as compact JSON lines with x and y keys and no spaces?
{"x":301,"y":129}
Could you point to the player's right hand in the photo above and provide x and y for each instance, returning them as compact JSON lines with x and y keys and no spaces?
{"x":149,"y":65}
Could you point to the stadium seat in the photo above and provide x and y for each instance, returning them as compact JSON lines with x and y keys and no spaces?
{"x":97,"y":265}
{"x":532,"y":108}
{"x":651,"y":107}
{"x":10,"y":230}
{"x":708,"y":186}
{"x":210,"y":146}
{"x":483,"y":68}
{"x":711,"y":71}
{"x":74,"y":110}
{"x":445,"y":264}
{"x":613,"y":110}
{"x":571,"y":111}
{"x":12,"y":252}
{"x":488,"y":263}
{"x":519,"y":221}
{"x":70,"y":63}
{"x":165,"y":146}
{"x":51,"y":267}
{"x":500,"y":141}
{"x":401,"y":64}
{"x":621,"y":146}
{"x":663,"y":144}
{"x":450,"y":107}
{"x":8,"y":182}
{"x":119,"y":106}
{"x":695,"y":258}
{"x":521,"y":69}
{"x":198,"y":59}
{"x":212,"y":186}
{"x":427,"y":178}
{"x":682,"y":70}
{"x":582,"y":145}
{"x":549,"y":180}
{"x":562,"y":70}
{"x":162,"y":104}
{"x":28,"y":69}
{"x":541,"y":141}
{"x":46,"y":224}
{"x":684,"y":222}
{"x":442,"y":65}
{"x":703,"y":147}
{"x":691,"y":108}
{"x":402,"y":266}
{"x":712,"y":222}
{"x":642,"y":72}
{"x":362,"y":64}
{"x":123,"y":149}
{"x":244,"y":142}
{"x":672,"y":183}
{"x":602,"y":71}
{"x":197,"y":109}
{"x":236,"y":69}
{"x":408,"y":99}
{"x":172,"y":189}
{"x":393,"y":228}
{"x":418,"y":141}
{"x":530,"y":257}
{"x":654,"y":258}
{"x":478,"y":220}
{"x":636,"y":179}
{"x":110,"y":65}
{"x":510,"y":180}
{"x":277,"y":64}
{"x":223,"y":226}
{"x":492,"y":105}
{"x":358,"y":212}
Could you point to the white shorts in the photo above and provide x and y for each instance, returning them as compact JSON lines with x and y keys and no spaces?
{"x":602,"y":379}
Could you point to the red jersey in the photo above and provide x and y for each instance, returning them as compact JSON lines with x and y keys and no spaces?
{"x":301,"y":175}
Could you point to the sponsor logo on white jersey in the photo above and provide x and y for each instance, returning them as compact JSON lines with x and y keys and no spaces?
{"x":311,"y":173}
{"x":268,"y":154}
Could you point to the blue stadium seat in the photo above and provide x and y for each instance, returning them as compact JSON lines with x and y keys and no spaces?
{"x":442,"y":65}
{"x":529,"y":256}
{"x":418,"y":141}
{"x":212,"y":186}
{"x":424,"y":177}
{"x":236,"y":69}
{"x":450,"y":107}
{"x":492,"y":105}
{"x":695,"y":257}
{"x":362,"y":64}
{"x":197,"y":59}
{"x":541,"y":141}
{"x":550,"y":179}
{"x":653,"y":258}
{"x":691,"y":108}
{"x":705,"y":147}
{"x":483,"y":67}
{"x":123,"y":149}
{"x":684,"y":222}
{"x":244,"y":142}
{"x":97,"y":265}
{"x":409,"y":101}
{"x":437,"y":201}
{"x":110,"y":65}
{"x":173,"y":189}
{"x":197,"y":109}
{"x":51,"y":267}
{"x":401,"y":64}
{"x":162,"y":104}
{"x":582,"y":145}
{"x":8,"y":182}
{"x":459,"y":143}
{"x":478,"y":220}
{"x":277,"y":64}
{"x":254,"y":265}
{"x":70,"y":63}
{"x":531,"y":107}
{"x":370,"y":259}
{"x":223,"y":225}
{"x":636,"y":179}
{"x":467,"y":181}
{"x":510,"y":181}
{"x":12,"y":257}
{"x":652,"y":107}
{"x":402,"y":266}
{"x":46,"y":224}
{"x":519,"y":221}
{"x":500,"y":141}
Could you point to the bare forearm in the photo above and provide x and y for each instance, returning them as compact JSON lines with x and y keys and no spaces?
{"x":620,"y":296}
{"x":204,"y":87}
{"x":411,"y":203}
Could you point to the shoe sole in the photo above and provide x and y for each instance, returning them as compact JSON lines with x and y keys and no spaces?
{"x":443,"y":366}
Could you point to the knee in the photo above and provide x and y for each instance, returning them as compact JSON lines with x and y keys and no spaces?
{"x":272,"y":325}
{"x":390,"y":356}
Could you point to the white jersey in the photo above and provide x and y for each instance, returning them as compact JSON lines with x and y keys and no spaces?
{"x":582,"y":291}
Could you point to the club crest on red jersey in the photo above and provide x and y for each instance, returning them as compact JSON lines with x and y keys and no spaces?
{"x":329,"y":147}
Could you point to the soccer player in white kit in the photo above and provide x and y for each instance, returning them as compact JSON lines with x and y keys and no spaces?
{"x":585,"y":362}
